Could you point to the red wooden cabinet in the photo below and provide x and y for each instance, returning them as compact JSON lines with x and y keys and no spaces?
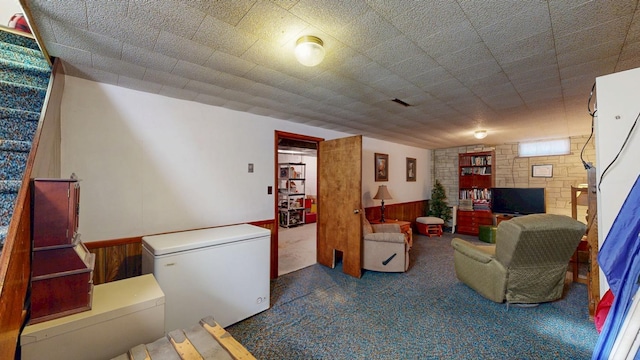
{"x":468,"y":222}
{"x":475,"y":180}
{"x":55,"y":212}
{"x":62,"y":268}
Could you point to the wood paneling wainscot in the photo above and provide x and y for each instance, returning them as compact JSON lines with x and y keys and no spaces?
{"x":407,"y":211}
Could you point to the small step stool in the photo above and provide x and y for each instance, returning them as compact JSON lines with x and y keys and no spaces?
{"x":429,"y":226}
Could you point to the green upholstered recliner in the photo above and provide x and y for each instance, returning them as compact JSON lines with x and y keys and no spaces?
{"x":384,"y":248}
{"x":528,"y":262}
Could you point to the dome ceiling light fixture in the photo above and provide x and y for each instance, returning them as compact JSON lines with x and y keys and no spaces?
{"x":309,"y":50}
{"x":480,"y":134}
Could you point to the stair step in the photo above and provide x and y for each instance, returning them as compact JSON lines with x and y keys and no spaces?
{"x":10,"y":186}
{"x":23,"y":55}
{"x":15,"y":145}
{"x":19,"y":73}
{"x":17,"y":129}
{"x":3,"y":235}
{"x":17,"y":114}
{"x":7,"y":202}
{"x":15,"y":39}
{"x":18,"y":96}
{"x":12,"y":164}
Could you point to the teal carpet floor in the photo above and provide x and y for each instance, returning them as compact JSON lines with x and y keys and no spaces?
{"x":24,"y":77}
{"x":425,"y":313}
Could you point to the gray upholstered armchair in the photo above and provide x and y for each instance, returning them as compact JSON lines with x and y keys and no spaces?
{"x":385,"y":247}
{"x":528,"y":262}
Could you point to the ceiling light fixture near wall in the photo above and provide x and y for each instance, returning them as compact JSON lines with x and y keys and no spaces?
{"x":309,"y":50}
{"x":480,"y":134}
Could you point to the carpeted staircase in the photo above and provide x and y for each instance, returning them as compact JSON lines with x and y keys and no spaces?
{"x":24,"y":77}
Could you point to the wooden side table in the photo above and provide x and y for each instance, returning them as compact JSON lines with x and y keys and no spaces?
{"x":405,"y":227}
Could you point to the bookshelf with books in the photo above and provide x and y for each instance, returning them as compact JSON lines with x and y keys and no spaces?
{"x":475,"y":182}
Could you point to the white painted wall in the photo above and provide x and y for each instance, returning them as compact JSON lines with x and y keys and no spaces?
{"x":152,"y":164}
{"x":7,"y":9}
{"x":400,"y":189}
{"x":618,"y":106}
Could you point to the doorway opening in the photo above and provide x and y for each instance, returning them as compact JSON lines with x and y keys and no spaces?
{"x":296,"y":203}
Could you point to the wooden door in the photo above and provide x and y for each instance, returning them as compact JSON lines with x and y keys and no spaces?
{"x":339,"y":203}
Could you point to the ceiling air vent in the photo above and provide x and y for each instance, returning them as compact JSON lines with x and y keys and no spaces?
{"x":400,"y":102}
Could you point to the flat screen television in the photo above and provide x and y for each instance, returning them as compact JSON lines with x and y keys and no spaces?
{"x":518,"y":201}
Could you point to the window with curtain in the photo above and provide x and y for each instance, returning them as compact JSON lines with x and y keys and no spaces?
{"x":544,"y":148}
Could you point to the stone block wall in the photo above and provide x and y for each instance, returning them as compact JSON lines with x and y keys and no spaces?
{"x":511,"y":170}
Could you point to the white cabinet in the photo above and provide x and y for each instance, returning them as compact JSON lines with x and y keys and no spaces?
{"x":291,"y":193}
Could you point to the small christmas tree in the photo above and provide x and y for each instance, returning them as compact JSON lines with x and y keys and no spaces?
{"x":438,"y":206}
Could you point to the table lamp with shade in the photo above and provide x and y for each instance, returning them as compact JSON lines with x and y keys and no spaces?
{"x":382,"y":194}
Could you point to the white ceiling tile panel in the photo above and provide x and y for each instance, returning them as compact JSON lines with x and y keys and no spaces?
{"x":147,"y":58}
{"x":164,"y":78}
{"x":85,"y":40}
{"x":73,"y":12}
{"x":228,"y":11}
{"x":271,"y":23}
{"x":524,"y":48}
{"x":170,"y":16}
{"x":571,"y":16}
{"x":180,"y":48}
{"x":195,"y":72}
{"x":71,"y":55}
{"x":90,"y":73}
{"x":498,"y":64}
{"x":118,"y":66}
{"x":109,"y":17}
{"x":600,"y":32}
{"x":368,"y":30}
{"x":203,"y":88}
{"x":328,"y":15}
{"x":178,"y":93}
{"x":137,"y":84}
{"x":223,"y":62}
{"x":219,"y":35}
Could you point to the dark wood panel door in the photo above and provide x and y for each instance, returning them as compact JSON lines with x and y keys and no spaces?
{"x":339,"y":203}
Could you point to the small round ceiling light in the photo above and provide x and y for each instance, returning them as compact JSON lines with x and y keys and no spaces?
{"x":480,"y":134}
{"x":309,"y":50}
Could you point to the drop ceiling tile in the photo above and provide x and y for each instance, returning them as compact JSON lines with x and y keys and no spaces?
{"x":388,"y":52}
{"x":523,"y":48}
{"x":435,"y":76}
{"x":600,"y":51}
{"x":147,"y":58}
{"x":597,"y":68}
{"x":195,"y":72}
{"x":447,"y":40}
{"x":223,"y":62}
{"x":233,"y":82}
{"x":140,"y":85}
{"x":427,"y":17}
{"x":534,"y":20}
{"x":88,"y":41}
{"x":480,"y":73}
{"x":328,"y":15}
{"x":74,"y":12}
{"x":569,"y":17}
{"x":170,"y":16}
{"x":542,"y":61}
{"x":368,"y":30}
{"x":178,"y":93}
{"x":614,"y":30}
{"x":272,"y":23}
{"x":109,"y":18}
{"x":410,"y":67}
{"x":485,"y":13}
{"x":71,"y":55}
{"x":263,"y":75}
{"x":180,"y":48}
{"x":228,"y":11}
{"x":219,"y":35}
{"x":90,"y":73}
{"x":118,"y":66}
{"x":465,"y":58}
{"x":165,"y":78}
{"x":210,"y":100}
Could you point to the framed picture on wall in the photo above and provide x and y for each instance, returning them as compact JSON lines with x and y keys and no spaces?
{"x":411,"y":169}
{"x":545,"y":171}
{"x":381,"y":166}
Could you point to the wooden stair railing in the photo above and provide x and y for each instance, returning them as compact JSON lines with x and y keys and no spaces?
{"x":15,"y":260}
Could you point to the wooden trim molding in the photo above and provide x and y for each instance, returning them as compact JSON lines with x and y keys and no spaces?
{"x":407,"y":211}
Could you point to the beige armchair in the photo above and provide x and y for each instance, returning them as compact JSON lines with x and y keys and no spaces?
{"x":385,"y":247}
{"x":528,"y":262}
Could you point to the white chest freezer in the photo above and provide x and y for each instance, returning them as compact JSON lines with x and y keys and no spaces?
{"x":222,"y":272}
